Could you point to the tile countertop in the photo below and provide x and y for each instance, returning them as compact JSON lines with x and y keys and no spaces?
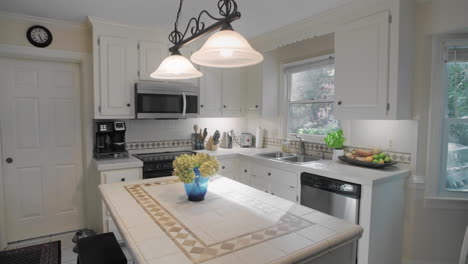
{"x":234,"y":224}
{"x":333,"y":169}
{"x":328,"y":168}
{"x":117,"y":164}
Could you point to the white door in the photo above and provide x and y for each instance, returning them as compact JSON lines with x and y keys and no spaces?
{"x":151,"y":55}
{"x":361,"y":68}
{"x":41,"y":147}
{"x":234,"y":84}
{"x":116,"y":80}
{"x":210,"y":92}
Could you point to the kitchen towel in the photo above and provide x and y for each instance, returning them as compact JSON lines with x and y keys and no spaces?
{"x":259,"y":137}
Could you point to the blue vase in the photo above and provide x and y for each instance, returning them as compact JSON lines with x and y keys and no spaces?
{"x":196,"y":190}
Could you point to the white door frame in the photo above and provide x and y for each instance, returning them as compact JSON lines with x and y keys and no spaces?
{"x":84,"y":61}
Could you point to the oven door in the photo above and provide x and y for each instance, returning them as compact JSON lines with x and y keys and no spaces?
{"x":156,"y":174}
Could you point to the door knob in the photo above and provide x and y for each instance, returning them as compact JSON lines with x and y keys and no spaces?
{"x":9,"y":160}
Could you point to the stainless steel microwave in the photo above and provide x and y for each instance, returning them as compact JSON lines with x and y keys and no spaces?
{"x":166,"y":100}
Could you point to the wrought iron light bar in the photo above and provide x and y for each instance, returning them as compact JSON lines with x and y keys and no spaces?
{"x":227,"y":9}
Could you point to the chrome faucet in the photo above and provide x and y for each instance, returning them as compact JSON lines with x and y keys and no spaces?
{"x":302,"y":145}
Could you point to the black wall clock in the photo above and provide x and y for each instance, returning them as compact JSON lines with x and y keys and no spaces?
{"x":39,"y":36}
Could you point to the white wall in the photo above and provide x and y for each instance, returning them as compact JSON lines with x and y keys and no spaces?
{"x":155,"y":130}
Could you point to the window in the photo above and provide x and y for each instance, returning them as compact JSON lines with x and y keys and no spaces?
{"x":455,"y":118}
{"x":310,"y":94}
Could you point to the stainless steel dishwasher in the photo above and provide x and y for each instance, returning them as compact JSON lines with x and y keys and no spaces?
{"x":333,"y":197}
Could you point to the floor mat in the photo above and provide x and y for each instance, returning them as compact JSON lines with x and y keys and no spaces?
{"x":47,"y":253}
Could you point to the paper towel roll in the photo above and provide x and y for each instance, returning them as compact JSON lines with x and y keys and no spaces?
{"x":259,"y":137}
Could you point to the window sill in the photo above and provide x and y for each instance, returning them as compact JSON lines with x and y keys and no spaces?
{"x":447,"y":203}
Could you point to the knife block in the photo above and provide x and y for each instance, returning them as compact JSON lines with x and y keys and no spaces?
{"x":210,"y":144}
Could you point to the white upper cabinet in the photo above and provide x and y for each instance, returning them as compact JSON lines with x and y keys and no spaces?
{"x":234,"y":84}
{"x":210,"y":92}
{"x":221,"y":92}
{"x":373,"y":66}
{"x":116,"y":77}
{"x":151,"y":54}
{"x":254,"y":91}
{"x":361,"y":68}
{"x":122,"y":55}
{"x":263,"y":87}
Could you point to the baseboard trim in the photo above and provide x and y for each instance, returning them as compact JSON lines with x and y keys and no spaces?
{"x":407,"y":261}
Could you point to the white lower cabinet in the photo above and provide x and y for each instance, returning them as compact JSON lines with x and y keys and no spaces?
{"x":228,"y":168}
{"x":113,"y":176}
{"x":277,"y":182}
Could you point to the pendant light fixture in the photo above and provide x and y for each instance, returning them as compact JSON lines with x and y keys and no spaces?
{"x":176,"y":67}
{"x":224,"y":49}
{"x":227,"y":49}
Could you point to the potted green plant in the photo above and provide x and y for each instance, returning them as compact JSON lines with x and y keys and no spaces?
{"x":194,"y":171}
{"x":335,"y":140}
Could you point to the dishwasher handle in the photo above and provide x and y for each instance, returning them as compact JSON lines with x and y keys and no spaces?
{"x":344,"y":188}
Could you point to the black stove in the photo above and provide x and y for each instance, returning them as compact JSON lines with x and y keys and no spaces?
{"x":159,"y":164}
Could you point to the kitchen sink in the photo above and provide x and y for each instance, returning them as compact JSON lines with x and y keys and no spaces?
{"x":276,"y":155}
{"x":300,"y":159}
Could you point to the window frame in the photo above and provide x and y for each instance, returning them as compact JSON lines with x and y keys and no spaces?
{"x":294,"y":67}
{"x":439,"y":122}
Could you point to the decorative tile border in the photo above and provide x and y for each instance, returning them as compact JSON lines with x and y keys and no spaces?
{"x":159,"y":144}
{"x":196,"y":249}
{"x":295,"y":144}
{"x":400,"y":157}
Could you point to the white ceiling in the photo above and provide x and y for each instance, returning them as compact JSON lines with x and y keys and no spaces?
{"x":258,"y":16}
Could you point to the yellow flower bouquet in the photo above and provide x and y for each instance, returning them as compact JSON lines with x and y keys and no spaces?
{"x":194,"y":171}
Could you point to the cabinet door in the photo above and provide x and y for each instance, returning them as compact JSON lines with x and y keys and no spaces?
{"x":260,"y":177}
{"x":284,"y":185}
{"x":254,"y":89}
{"x":228,"y":168}
{"x":151,"y":55}
{"x":234,"y":83}
{"x":361,"y":68}
{"x":210,"y":92}
{"x":115,"y":77}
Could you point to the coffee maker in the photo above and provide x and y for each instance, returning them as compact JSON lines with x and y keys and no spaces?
{"x":110,"y":140}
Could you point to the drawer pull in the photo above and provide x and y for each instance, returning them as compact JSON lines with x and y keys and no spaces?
{"x":292,"y":187}
{"x":245,"y":171}
{"x":223,"y":167}
{"x":123,"y":179}
{"x":269,"y":174}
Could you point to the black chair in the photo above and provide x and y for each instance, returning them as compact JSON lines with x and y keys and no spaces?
{"x":100,"y":249}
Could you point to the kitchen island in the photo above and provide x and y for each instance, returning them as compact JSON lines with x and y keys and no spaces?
{"x":234,"y":224}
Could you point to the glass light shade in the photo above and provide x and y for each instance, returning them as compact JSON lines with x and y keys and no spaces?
{"x":176,"y":67}
{"x":226,"y":49}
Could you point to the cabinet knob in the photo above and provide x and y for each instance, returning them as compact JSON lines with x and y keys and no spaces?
{"x":339,"y":102}
{"x":123,"y":179}
{"x":128,"y":105}
{"x":201,"y":106}
{"x":256,"y":106}
{"x":269,"y":174}
{"x":9,"y":160}
{"x":245,"y":171}
{"x":224,"y":106}
{"x":223,"y":167}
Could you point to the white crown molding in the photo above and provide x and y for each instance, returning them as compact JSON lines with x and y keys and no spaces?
{"x":42,"y":20}
{"x":93,"y":20}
